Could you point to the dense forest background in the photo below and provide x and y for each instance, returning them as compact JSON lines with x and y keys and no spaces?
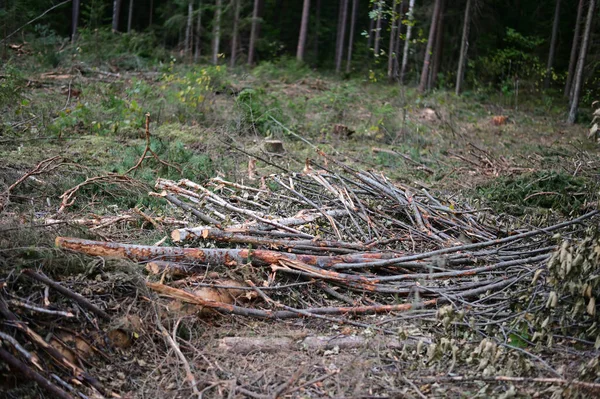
{"x":509,"y":45}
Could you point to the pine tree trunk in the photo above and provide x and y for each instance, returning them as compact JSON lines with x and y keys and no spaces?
{"x":351,"y":36}
{"x":216,"y":33}
{"x":253,"y":33}
{"x":371,"y":28}
{"x":303,"y":31}
{"x":574,"y":46}
{"x":552,"y":45}
{"x":234,"y":39}
{"x":378,"y":28}
{"x":317,"y":31}
{"x":74,"y":19}
{"x":398,"y":41}
{"x":411,"y":7}
{"x":130,"y":16}
{"x":187,"y":44}
{"x":464,"y":47}
{"x":578,"y":82}
{"x":393,"y":37}
{"x":197,"y":47}
{"x":338,"y":29}
{"x":430,"y":40}
{"x":151,"y":13}
{"x":342,"y":41}
{"x":116,"y":15}
{"x":439,"y":48}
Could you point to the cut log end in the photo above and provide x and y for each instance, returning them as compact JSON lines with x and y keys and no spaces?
{"x":176,"y":235}
{"x":274,"y":146}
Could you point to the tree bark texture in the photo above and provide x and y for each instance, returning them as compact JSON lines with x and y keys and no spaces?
{"x":217,"y":33}
{"x":253,"y":32}
{"x":574,"y":46}
{"x":351,"y":35}
{"x":395,"y":19}
{"x":439,"y":48}
{"x":378,"y":28}
{"x":130,"y":16}
{"x":411,"y":7}
{"x":464,"y":48}
{"x":236,"y":28}
{"x":430,"y":40}
{"x":552,"y":45}
{"x":74,"y":19}
{"x":116,"y":15}
{"x":303,"y":31}
{"x":342,"y":36}
{"x":581,"y":63}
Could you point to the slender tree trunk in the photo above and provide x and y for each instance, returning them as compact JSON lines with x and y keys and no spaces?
{"x":187,"y":44}
{"x":116,"y":15}
{"x":236,"y":28}
{"x":411,"y":7}
{"x":578,"y":82}
{"x":552,"y":45}
{"x":574,"y":46}
{"x":318,"y":31}
{"x":303,"y":31}
{"x":378,"y":28}
{"x":338,"y":29}
{"x":253,"y":32}
{"x":439,"y":48}
{"x":371,"y":28}
{"x":396,"y":66}
{"x":197,"y":46}
{"x":393,"y":37}
{"x":74,"y":20}
{"x":216,"y":33}
{"x":464,"y":47}
{"x":430,"y":40}
{"x":351,"y":36}
{"x":342,"y":41}
{"x":151,"y":13}
{"x":130,"y":16}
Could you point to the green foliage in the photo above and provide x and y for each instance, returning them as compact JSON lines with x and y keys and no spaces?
{"x":261,"y":111}
{"x":515,"y":61}
{"x":12,"y":84}
{"x":285,"y":69}
{"x":44,"y":45}
{"x":548,"y":190}
{"x":126,"y":50}
{"x":194,"y":166}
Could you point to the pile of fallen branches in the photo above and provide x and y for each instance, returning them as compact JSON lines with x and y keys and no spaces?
{"x":356,"y":235}
{"x":37,"y":342}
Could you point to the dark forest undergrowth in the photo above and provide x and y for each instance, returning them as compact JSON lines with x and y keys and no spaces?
{"x":520,"y":164}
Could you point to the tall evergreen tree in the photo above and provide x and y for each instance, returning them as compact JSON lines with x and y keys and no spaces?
{"x":552,"y":45}
{"x":303,"y":31}
{"x":464,"y":47}
{"x":581,"y":63}
{"x":430,"y":40}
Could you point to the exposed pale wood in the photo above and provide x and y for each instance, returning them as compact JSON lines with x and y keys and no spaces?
{"x":245,"y":345}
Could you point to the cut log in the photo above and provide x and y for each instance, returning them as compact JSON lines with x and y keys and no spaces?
{"x":245,"y":345}
{"x":274,"y":146}
{"x":227,"y":257}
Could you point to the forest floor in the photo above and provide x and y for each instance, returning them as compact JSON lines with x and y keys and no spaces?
{"x":522,"y":163}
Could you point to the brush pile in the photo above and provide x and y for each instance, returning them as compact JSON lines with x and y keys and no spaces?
{"x":360,"y":238}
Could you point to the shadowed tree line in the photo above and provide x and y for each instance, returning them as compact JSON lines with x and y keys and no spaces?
{"x":515,"y":45}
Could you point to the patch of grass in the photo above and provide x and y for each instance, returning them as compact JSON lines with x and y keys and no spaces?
{"x":546,"y":189}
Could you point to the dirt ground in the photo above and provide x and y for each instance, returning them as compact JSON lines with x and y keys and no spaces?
{"x":416,"y":356}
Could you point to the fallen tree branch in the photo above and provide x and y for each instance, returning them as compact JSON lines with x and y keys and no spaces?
{"x":31,"y":374}
{"x":68,"y":293}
